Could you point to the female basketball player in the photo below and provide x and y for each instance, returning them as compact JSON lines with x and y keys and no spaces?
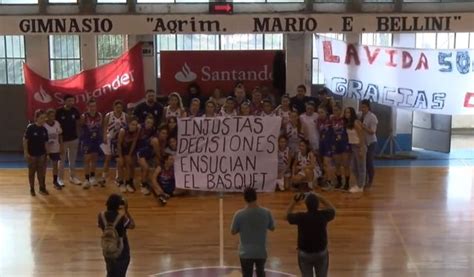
{"x":229,"y":107}
{"x":210,"y":109}
{"x":172,"y":124}
{"x":113,"y":122}
{"x":126,"y":146}
{"x":34,"y":149}
{"x":148,"y":150}
{"x":293,"y":131}
{"x":245,"y":109}
{"x":284,"y":110}
{"x":194,"y":108}
{"x":163,"y":181}
{"x":284,"y":163}
{"x":305,"y":169}
{"x":172,"y":146}
{"x":326,"y":144}
{"x":267,"y":108}
{"x":355,"y":134}
{"x":163,"y":135}
{"x":175,"y":106}
{"x":91,"y":122}
{"x":54,"y":146}
{"x":342,"y":148}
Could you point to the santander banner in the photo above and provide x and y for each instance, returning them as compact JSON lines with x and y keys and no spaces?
{"x":214,"y":69}
{"x":120,"y":79}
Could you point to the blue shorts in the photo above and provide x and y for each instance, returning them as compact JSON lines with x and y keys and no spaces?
{"x":326,"y":149}
{"x":91,"y":147}
{"x":54,"y":157}
{"x":341,"y":147}
{"x":146,"y":153}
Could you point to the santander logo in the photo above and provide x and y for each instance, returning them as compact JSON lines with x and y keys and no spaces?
{"x":42,"y":96}
{"x":185,"y":75}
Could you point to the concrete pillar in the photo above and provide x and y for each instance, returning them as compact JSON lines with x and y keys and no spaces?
{"x":88,"y":51}
{"x":149,"y":62}
{"x":37,"y":56}
{"x":298,"y":61}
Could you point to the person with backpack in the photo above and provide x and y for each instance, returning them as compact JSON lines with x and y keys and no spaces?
{"x":114,"y":241}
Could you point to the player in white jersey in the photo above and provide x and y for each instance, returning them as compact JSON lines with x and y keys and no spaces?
{"x":309,"y":126}
{"x":54,"y":145}
{"x":113,"y":122}
{"x":284,"y":164}
{"x":284,"y":110}
{"x":175,"y":106}
{"x":267,"y":108}
{"x":229,"y":107}
{"x":305,"y":169}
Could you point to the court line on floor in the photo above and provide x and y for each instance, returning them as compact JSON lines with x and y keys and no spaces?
{"x":221,"y":230}
{"x":404,"y":246}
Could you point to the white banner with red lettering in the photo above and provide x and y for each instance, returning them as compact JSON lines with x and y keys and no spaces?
{"x":120,"y":79}
{"x":433,"y":81}
{"x":227,"y":154}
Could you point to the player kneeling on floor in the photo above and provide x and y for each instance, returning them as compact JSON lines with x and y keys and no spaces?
{"x":163,"y":181}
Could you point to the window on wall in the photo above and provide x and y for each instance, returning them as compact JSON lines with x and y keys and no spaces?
{"x":12,"y":57}
{"x":62,"y":1}
{"x":171,"y":1}
{"x":64,"y":56}
{"x":112,"y":1}
{"x":376,"y":39}
{"x":18,"y":2}
{"x":110,"y":47}
{"x":444,"y":40}
{"x":317,"y":75}
{"x":216,"y":42}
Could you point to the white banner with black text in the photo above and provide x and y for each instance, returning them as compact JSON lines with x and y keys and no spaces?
{"x":427,"y":80}
{"x":227,"y":154}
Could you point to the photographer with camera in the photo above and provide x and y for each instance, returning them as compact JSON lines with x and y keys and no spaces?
{"x":114,"y":225}
{"x":313,"y":256}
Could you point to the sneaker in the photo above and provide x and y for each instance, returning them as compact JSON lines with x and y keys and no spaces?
{"x":130,"y":188}
{"x":32,"y":192}
{"x":145,"y":191}
{"x":355,"y":189}
{"x":327,"y":186}
{"x":60,"y":182}
{"x":122,"y":188}
{"x":43,"y":191}
{"x":57,"y":186}
{"x":93,"y":181}
{"x":101,"y":181}
{"x":75,"y":181}
{"x":162,"y":199}
{"x":86,"y":184}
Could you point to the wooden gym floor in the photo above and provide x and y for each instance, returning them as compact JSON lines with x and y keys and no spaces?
{"x":415,"y":222}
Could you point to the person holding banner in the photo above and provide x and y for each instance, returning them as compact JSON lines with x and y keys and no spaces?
{"x":252,"y":223}
{"x":68,"y":117}
{"x":113,"y":122}
{"x":195,"y":108}
{"x":229,"y":107}
{"x":163,"y":181}
{"x":356,"y":138}
{"x":55,"y":144}
{"x":34,"y":149}
{"x":211,"y":109}
{"x":91,"y":137}
{"x":150,"y":106}
{"x":369,"y":125}
{"x":267,"y":108}
{"x":245,"y":109}
{"x":175,"y":106}
{"x":126,"y":146}
{"x":148,"y":148}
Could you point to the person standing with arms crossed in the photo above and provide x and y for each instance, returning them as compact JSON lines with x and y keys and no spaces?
{"x":313,"y":255}
{"x":369,"y":125}
{"x":69,"y":117}
{"x":252,"y":223}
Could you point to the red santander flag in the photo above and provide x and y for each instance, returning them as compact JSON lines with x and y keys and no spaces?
{"x":120,"y":79}
{"x":211,"y":69}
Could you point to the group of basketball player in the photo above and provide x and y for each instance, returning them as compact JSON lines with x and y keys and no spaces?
{"x":319,"y":144}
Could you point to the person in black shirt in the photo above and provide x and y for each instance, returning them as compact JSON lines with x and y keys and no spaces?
{"x":69,"y":117}
{"x":299,"y":101}
{"x":150,"y":106}
{"x":34,"y":148}
{"x":313,"y":256}
{"x":117,"y":267}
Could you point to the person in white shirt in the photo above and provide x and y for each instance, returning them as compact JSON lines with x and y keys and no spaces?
{"x":54,"y":145}
{"x":309,"y":126}
{"x":267,"y":108}
{"x":175,"y":106}
{"x":229,"y":108}
{"x":369,"y":125}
